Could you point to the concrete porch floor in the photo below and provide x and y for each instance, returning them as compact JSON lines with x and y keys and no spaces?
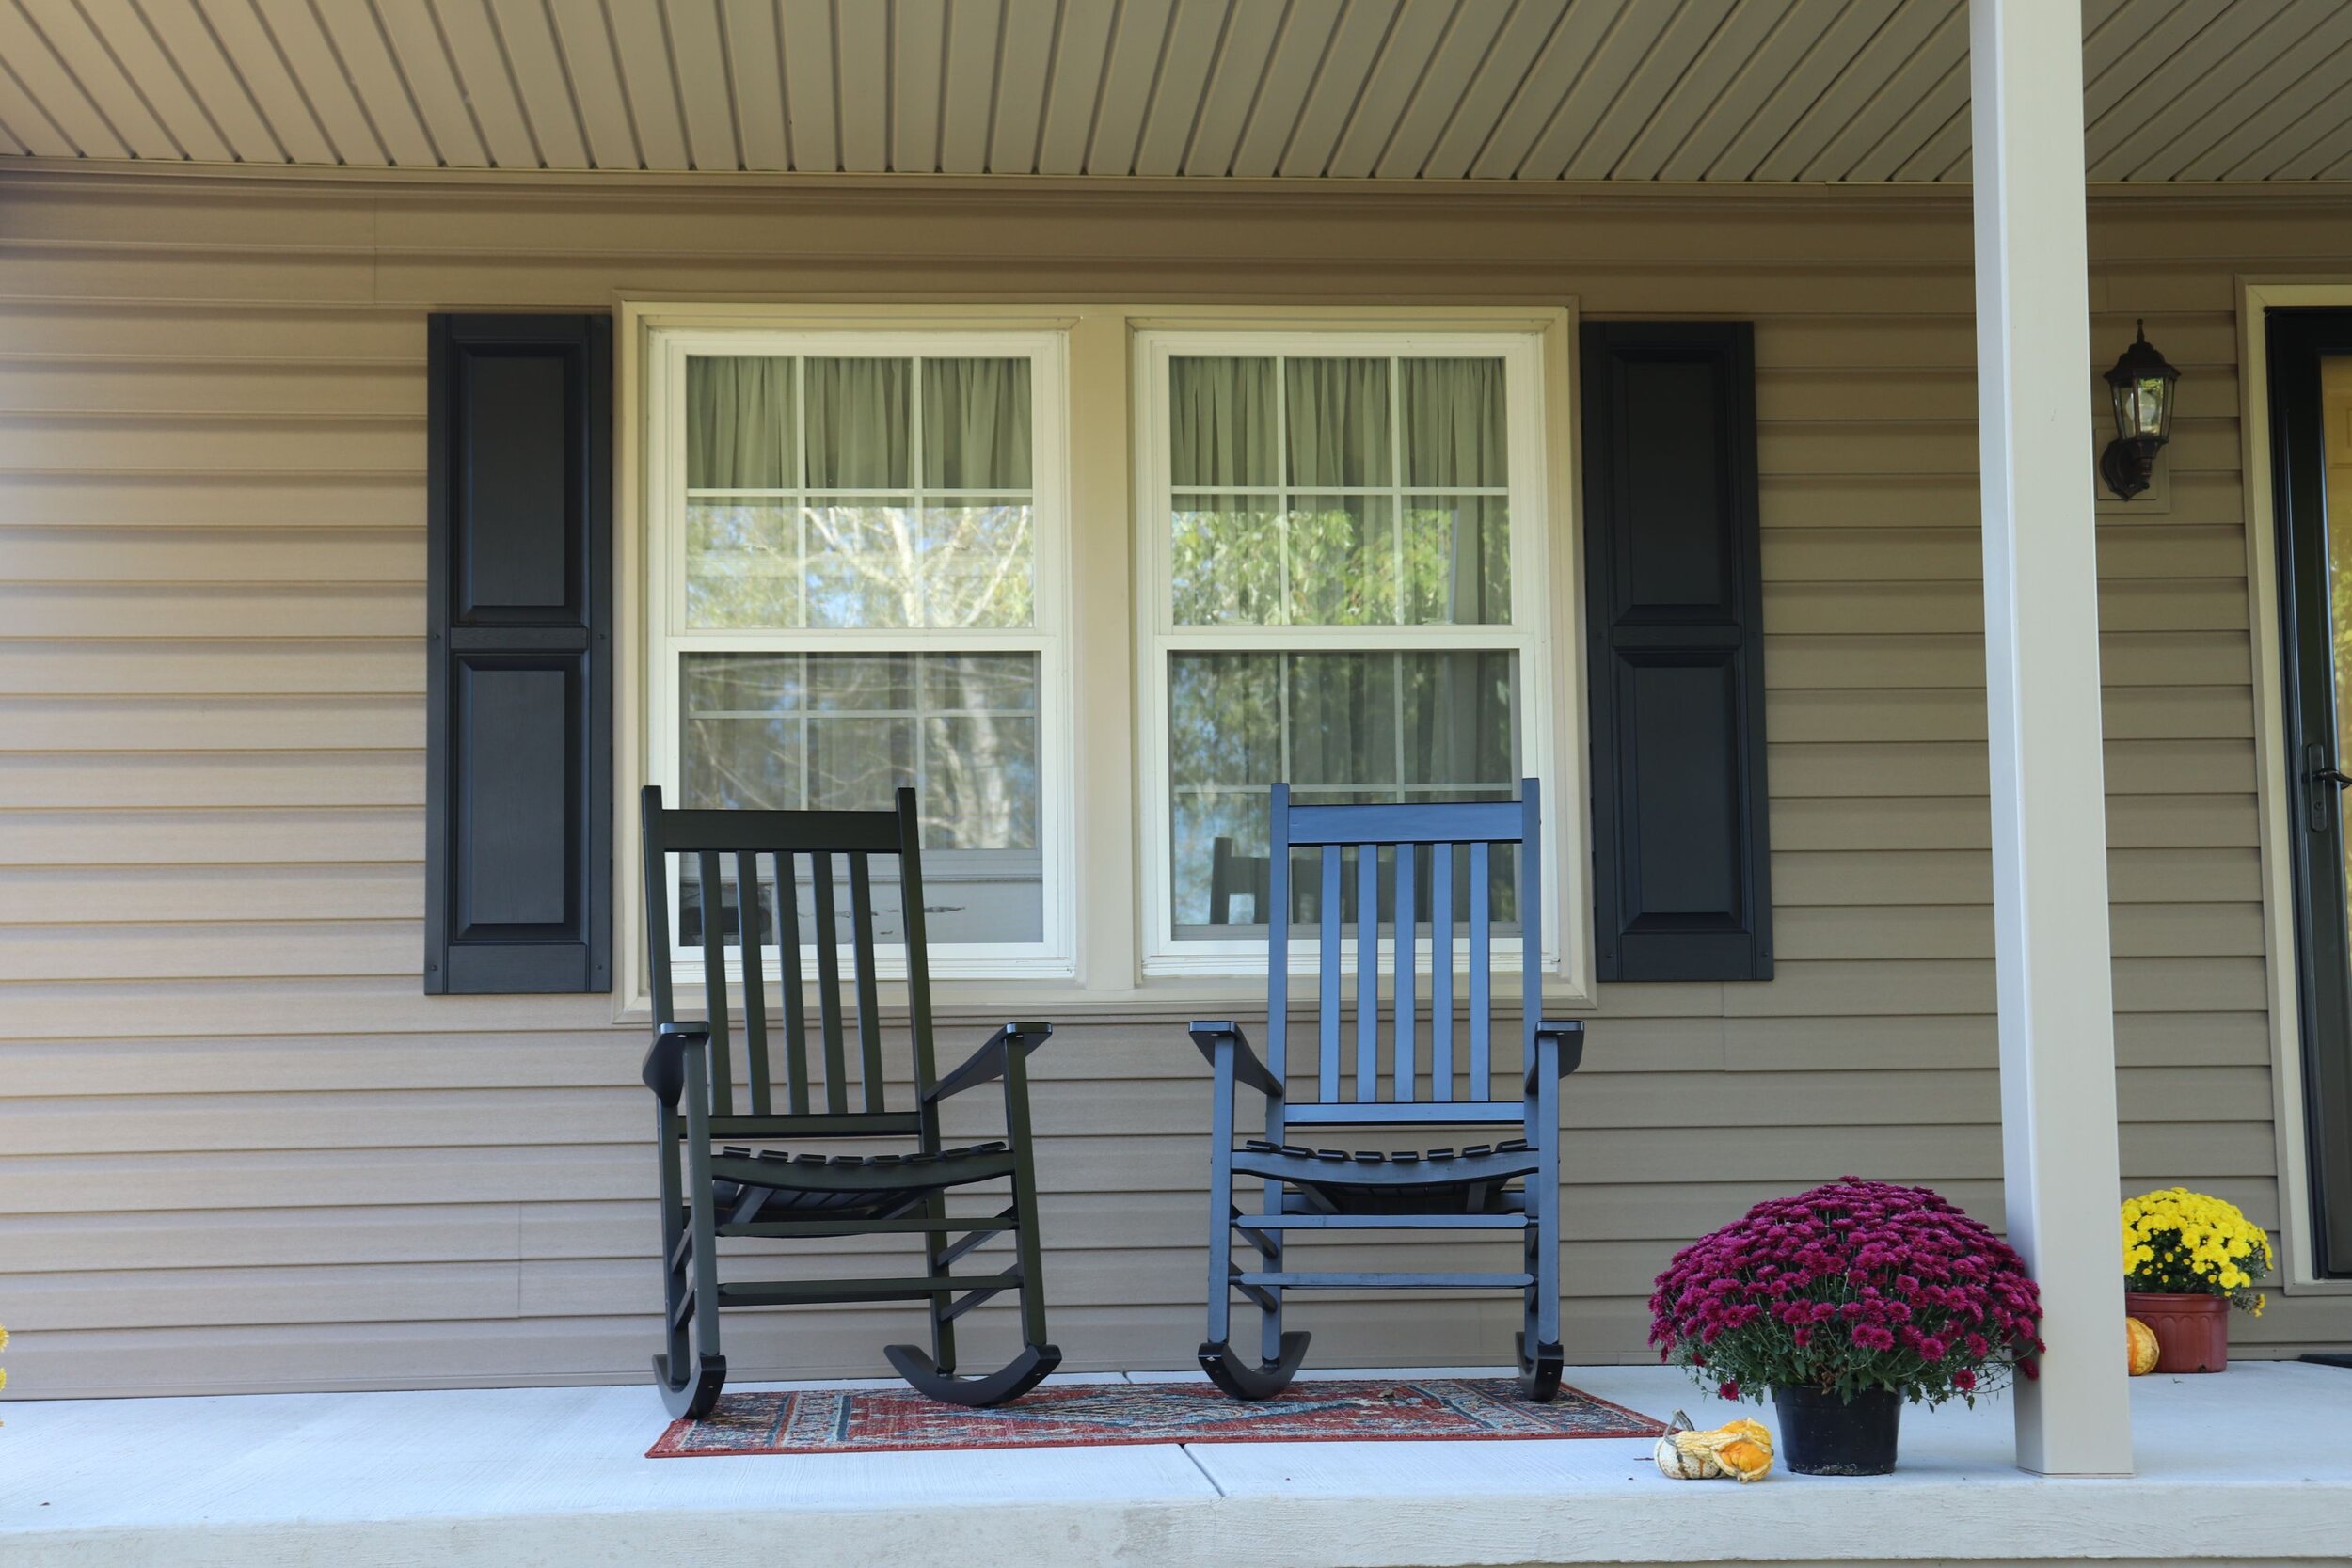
{"x":2251,"y":1466}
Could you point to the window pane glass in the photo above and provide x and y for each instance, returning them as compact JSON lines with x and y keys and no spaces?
{"x":977,"y":559}
{"x":1343,"y":560}
{"x":845,"y":731}
{"x":1340,"y":728}
{"x":1226,"y":559}
{"x":1221,"y":423}
{"x":1457,"y":712}
{"x":864,"y":564}
{"x":1338,"y":415}
{"x":742,"y":563}
{"x":999,"y":683}
{"x":1225,"y":718}
{"x":741,"y":749}
{"x":858,"y":420}
{"x":739,"y":424}
{"x":1455,"y":423}
{"x":858,"y":762}
{"x":959,"y":562}
{"x":976,"y":424}
{"x":1457,"y":553}
{"x":1342,"y":720}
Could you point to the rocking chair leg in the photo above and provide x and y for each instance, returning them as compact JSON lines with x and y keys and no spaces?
{"x":1264,"y":1379}
{"x":942,"y":1356}
{"x":690,"y":1391}
{"x":1540,"y":1355}
{"x":1007,"y":1383}
{"x":1037,"y":1359}
{"x":1540,"y":1375}
{"x":693,"y":1394}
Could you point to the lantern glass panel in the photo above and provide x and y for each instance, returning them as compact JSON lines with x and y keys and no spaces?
{"x":2143,"y":407}
{"x":2155,"y":402}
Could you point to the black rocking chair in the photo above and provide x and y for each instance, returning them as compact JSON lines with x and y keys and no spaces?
{"x":712,"y":1186}
{"x":1508,"y":1182}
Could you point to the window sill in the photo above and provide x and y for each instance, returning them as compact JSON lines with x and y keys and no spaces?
{"x":1156,"y":1001}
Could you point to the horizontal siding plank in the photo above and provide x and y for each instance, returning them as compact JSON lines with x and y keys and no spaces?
{"x":2125,"y":659}
{"x":154,"y":331}
{"x":1875,"y":768}
{"x":1953,"y":554}
{"x":211,"y":950}
{"x":212,"y":723}
{"x":347,"y":502}
{"x":90,"y":896}
{"x":143,"y":838}
{"x":1846,"y":879}
{"x":71,"y":611}
{"x":1956,"y":604}
{"x":243,"y":443}
{"x":240,"y":555}
{"x":242,"y":669}
{"x":198,"y":781}
{"x":92,"y":274}
{"x":250,"y":385}
{"x":1836,"y":715}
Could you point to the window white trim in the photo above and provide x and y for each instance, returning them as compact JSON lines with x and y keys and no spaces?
{"x":667,"y":638}
{"x":1535,"y":603}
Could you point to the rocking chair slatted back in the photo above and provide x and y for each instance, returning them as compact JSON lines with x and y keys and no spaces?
{"x":1445,"y":849}
{"x":765,"y":859}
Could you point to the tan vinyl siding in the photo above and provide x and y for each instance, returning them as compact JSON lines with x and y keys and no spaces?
{"x":240,"y":1149}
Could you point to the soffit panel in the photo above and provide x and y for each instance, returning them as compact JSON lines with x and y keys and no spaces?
{"x":1740,"y":91}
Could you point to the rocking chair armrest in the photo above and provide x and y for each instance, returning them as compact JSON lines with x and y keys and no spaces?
{"x":1559,"y":1043}
{"x":1210,"y":1034}
{"x":988,"y":1062}
{"x":665,"y":1063}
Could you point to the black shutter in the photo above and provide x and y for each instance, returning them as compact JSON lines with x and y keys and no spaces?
{"x":519,"y":728}
{"x":1681,"y":869}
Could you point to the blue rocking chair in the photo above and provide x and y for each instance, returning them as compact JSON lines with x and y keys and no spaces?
{"x":1509,"y":1182}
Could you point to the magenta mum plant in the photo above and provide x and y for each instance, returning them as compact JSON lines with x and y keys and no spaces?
{"x":1854,"y":1286}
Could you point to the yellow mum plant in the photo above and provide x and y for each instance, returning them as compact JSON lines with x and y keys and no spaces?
{"x":2179,"y":1242}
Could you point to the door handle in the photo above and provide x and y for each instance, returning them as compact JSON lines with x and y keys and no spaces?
{"x":2318,"y":769}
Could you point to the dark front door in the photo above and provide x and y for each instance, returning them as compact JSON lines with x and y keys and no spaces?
{"x":2311,"y":432}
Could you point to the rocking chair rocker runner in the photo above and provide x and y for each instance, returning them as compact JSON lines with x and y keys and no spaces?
{"x":1451,"y":1189}
{"x":714,"y":1185}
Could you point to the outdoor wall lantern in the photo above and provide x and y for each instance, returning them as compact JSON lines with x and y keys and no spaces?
{"x":2141,"y":386}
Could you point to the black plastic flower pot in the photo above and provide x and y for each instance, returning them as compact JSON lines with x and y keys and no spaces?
{"x":1824,"y":1434}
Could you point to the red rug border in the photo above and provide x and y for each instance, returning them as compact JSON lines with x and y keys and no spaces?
{"x":659,"y":1452}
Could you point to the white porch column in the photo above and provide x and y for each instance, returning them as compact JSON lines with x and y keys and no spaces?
{"x":2042,"y":676}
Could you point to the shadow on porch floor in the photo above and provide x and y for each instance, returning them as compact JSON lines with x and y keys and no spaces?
{"x":2250,"y":1466}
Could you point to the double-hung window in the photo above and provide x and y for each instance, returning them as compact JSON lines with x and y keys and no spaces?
{"x":1345,"y":589}
{"x":855,"y":567}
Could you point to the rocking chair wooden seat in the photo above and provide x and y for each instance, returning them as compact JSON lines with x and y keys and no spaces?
{"x":716,"y":1183}
{"x":1471,"y":1181}
{"x":1403,"y":1079}
{"x":748,"y":1183}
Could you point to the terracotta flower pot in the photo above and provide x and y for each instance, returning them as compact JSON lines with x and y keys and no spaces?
{"x":2192,"y":1331}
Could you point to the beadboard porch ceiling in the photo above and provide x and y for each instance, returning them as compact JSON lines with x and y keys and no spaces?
{"x":1736,"y":92}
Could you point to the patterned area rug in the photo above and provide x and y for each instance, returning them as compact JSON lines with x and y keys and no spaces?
{"x":1090,"y":1415}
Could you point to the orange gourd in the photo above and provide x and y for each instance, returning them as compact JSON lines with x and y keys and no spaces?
{"x":2140,"y":1340}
